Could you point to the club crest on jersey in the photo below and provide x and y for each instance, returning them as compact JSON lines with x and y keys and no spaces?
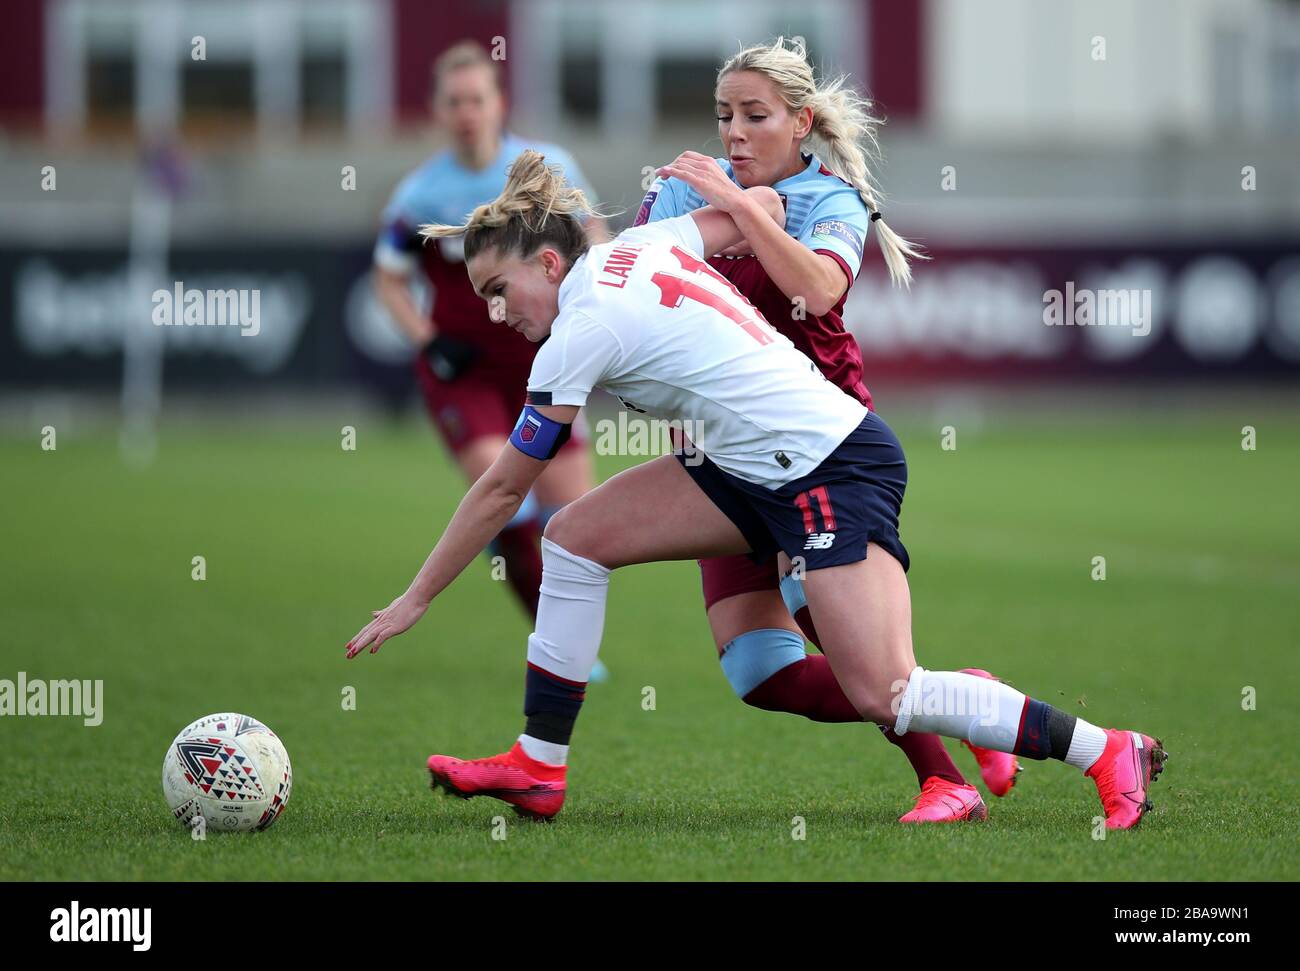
{"x":838,"y":229}
{"x":530,"y":429}
{"x":819,"y":541}
{"x":647,"y":204}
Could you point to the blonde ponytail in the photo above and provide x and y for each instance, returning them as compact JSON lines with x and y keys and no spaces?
{"x":846,"y":129}
{"x":535,"y":208}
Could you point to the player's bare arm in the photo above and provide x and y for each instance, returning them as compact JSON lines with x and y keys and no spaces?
{"x":731,"y":210}
{"x":795,"y":269}
{"x":488,"y":505}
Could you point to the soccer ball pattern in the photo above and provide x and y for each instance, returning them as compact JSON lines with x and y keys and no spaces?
{"x":230,"y":768}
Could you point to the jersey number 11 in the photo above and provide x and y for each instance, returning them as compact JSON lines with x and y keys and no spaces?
{"x":674,"y":289}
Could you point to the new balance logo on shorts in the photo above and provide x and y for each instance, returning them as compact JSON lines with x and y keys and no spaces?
{"x":819,"y":541}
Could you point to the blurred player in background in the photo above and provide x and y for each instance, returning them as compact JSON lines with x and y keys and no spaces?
{"x":768,"y":104}
{"x":473,"y":372}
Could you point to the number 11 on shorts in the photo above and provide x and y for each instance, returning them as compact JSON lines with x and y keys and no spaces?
{"x":804,"y":501}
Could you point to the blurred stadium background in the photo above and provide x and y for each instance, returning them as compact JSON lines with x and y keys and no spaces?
{"x":1022,"y":158}
{"x":1018,"y":157}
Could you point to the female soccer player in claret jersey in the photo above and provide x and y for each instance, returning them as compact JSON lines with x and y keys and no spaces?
{"x":787,"y":456}
{"x":769,"y":107}
{"x":472,"y":374}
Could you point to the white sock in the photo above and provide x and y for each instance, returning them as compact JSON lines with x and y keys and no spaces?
{"x":547,"y":752}
{"x":570,"y":614}
{"x":984,"y":712}
{"x":1086,"y":745}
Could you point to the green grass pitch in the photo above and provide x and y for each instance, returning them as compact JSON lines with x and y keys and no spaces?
{"x":1201,"y":602}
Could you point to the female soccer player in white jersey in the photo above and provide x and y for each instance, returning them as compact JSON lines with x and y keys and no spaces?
{"x":790,"y":462}
{"x":471,"y":373}
{"x":769,"y":106}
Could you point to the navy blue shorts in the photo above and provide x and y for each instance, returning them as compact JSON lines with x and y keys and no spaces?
{"x":828,"y":516}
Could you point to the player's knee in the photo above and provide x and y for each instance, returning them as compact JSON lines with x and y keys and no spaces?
{"x":577,"y":534}
{"x":564,"y":528}
{"x":756,"y":655}
{"x":880,"y":699}
{"x":546,"y":512}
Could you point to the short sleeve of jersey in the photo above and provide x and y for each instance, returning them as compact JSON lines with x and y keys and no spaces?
{"x":676,"y":231}
{"x":664,"y":201}
{"x":398,"y":246}
{"x":838,"y":225}
{"x":579,"y":354}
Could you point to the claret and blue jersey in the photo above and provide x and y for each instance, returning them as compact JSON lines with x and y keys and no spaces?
{"x":822,"y":211}
{"x":827,"y":215}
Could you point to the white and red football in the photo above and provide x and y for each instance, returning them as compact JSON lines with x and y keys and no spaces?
{"x":229,"y":768}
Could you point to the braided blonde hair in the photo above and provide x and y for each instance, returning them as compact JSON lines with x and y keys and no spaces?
{"x":845,"y":127}
{"x":535,"y":209}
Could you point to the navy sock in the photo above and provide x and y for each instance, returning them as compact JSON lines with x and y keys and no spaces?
{"x":551,"y":705}
{"x":1045,"y":732}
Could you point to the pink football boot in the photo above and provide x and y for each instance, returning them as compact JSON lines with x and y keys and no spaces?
{"x":942,"y":801}
{"x":533,"y":788}
{"x":1127,"y":766}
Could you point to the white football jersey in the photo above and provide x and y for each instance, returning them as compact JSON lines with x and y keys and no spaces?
{"x":647,"y":319}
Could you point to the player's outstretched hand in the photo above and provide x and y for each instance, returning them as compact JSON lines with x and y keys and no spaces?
{"x":703,"y":175}
{"x":398,"y":616}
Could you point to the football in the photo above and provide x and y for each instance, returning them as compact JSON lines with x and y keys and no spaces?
{"x":230,"y":769}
